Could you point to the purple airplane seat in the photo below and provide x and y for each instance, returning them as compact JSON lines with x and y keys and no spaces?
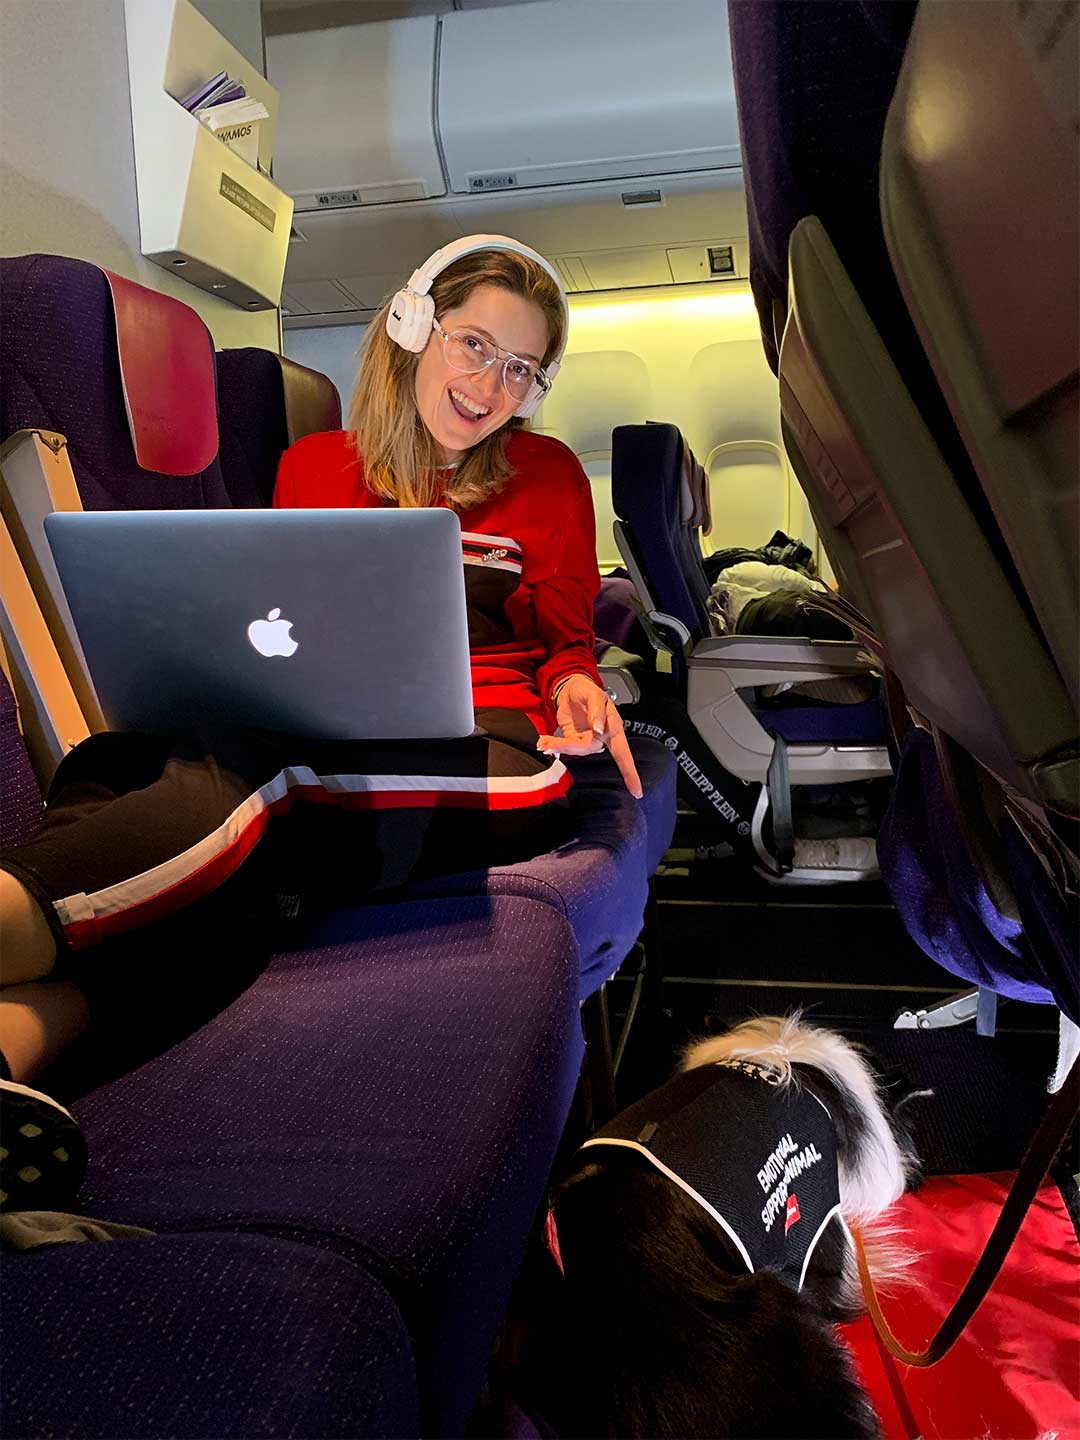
{"x":943,"y":902}
{"x":813,"y":81}
{"x":656,"y":494}
{"x":740,"y":755}
{"x":265,"y":403}
{"x":339,"y":1172}
{"x":124,"y":372}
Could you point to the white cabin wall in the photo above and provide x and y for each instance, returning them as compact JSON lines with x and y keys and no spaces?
{"x":67,"y":173}
{"x":332,"y":349}
{"x":693,"y":360}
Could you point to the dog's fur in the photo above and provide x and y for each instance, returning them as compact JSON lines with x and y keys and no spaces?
{"x":666,"y":1333}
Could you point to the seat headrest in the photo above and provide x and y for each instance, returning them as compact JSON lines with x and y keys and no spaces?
{"x":686,"y":489}
{"x":167,"y":371}
{"x":700,"y":483}
{"x":312,"y":402}
{"x":649,"y":481}
{"x":694,"y":507}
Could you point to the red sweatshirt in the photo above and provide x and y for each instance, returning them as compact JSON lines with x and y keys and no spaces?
{"x":530,"y":562}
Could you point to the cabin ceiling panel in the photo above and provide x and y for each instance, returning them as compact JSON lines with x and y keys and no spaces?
{"x":285,"y":17}
{"x":317,"y":297}
{"x":363,"y":243}
{"x":372,"y":290}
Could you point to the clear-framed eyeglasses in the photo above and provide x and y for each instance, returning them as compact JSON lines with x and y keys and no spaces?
{"x":469,"y":352}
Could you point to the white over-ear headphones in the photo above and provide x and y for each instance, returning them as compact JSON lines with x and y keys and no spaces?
{"x":412,"y":310}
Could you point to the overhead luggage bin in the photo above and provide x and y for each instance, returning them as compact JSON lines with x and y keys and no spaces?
{"x":359,"y":125}
{"x":401,"y":135}
{"x":561,"y":93}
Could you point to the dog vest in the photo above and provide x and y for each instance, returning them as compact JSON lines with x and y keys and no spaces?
{"x":760,"y":1157}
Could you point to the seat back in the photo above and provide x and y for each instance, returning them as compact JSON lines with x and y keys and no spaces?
{"x":107,"y":401}
{"x":265,"y":403}
{"x":835,"y":541}
{"x":813,"y":80}
{"x":980,"y":197}
{"x":943,"y":903}
{"x":700,"y":496}
{"x":99,"y":359}
{"x":695,"y":512}
{"x":956,"y":634}
{"x":651,"y":471}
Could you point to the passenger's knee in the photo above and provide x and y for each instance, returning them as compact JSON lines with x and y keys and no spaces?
{"x":27,"y":946}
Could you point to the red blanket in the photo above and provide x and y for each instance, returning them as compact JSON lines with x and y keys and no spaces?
{"x":1015,"y":1372}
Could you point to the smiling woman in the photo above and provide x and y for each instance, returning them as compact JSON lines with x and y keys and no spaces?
{"x":403,"y":419}
{"x":454,"y":364}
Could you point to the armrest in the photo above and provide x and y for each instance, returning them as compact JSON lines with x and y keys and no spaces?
{"x":772,"y":659}
{"x":49,"y":714}
{"x":720,"y":668}
{"x":35,"y":480}
{"x":618,"y":670}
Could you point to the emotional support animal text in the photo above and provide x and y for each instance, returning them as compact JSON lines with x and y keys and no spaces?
{"x":784,"y":1164}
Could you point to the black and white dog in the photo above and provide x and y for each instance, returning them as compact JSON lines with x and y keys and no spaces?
{"x":705,"y":1248}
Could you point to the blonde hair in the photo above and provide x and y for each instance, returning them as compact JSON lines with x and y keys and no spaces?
{"x":399,"y":453}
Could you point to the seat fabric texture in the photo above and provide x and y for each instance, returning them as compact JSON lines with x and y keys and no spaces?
{"x":59,"y":370}
{"x":943,"y":904}
{"x":395,"y":1099}
{"x":184,"y":1335}
{"x":252,"y":425}
{"x":256,"y":421}
{"x":599,"y":878}
{"x":862,"y":722}
{"x":615,"y":614}
{"x":646,"y":488}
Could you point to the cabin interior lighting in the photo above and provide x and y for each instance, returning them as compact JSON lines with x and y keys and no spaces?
{"x":732,"y":302}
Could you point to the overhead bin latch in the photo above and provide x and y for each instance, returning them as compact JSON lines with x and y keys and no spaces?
{"x":721,"y":260}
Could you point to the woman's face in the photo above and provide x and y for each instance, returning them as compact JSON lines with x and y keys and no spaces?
{"x":461,"y":410}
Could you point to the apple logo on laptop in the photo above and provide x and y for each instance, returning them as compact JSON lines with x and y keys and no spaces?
{"x":271,"y":636}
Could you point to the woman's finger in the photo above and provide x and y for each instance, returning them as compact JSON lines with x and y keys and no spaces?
{"x":619,"y":749}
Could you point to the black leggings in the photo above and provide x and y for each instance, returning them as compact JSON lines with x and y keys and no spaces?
{"x":138,"y":828}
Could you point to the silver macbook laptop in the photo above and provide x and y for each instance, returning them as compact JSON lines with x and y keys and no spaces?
{"x":342,"y":624}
